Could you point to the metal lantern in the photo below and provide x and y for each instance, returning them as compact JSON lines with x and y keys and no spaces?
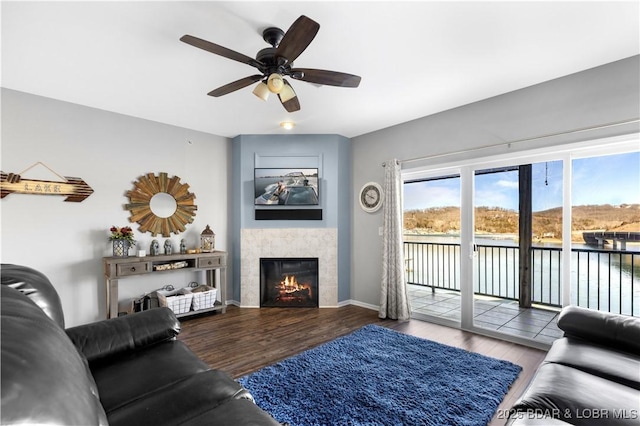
{"x":207,"y":240}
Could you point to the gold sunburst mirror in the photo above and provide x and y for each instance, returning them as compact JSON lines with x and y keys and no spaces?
{"x":160,"y":204}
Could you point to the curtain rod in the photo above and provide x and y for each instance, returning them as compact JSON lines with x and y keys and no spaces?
{"x":568,"y":132}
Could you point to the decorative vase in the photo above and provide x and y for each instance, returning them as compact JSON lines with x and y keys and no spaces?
{"x":121,"y":248}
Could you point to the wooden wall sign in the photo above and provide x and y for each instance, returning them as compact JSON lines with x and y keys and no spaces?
{"x":74,"y":188}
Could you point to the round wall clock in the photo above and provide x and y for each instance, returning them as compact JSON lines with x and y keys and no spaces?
{"x":371,"y":197}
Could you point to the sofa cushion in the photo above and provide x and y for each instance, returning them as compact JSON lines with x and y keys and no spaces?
{"x":35,"y":285}
{"x":578,"y":397}
{"x":531,"y":419}
{"x":233,"y":413}
{"x":122,"y":379}
{"x":44,"y":378}
{"x":197,"y":399}
{"x":621,"y":367}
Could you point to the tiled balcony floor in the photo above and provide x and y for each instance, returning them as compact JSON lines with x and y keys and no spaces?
{"x":491,"y":313}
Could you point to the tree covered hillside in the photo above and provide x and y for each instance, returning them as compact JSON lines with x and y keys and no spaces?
{"x":546,"y":224}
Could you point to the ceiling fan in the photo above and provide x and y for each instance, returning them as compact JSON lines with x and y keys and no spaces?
{"x":276,"y":62}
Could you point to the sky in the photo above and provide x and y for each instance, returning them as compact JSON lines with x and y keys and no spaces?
{"x":613,"y":179}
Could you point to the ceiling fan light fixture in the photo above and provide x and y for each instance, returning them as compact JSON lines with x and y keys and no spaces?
{"x":276,"y":62}
{"x":287,"y":125}
{"x":275,"y":83}
{"x":262,"y":91}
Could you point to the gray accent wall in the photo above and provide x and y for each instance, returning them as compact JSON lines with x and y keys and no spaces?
{"x":595,"y":97}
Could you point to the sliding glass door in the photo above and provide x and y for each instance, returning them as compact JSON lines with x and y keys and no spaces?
{"x":432,"y":246}
{"x":496,"y":255}
{"x":518,"y":243}
{"x":500,"y":245}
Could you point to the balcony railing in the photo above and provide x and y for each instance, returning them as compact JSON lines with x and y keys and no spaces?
{"x":605,"y":280}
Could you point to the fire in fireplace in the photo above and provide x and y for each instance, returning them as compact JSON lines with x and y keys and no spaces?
{"x":289,"y":282}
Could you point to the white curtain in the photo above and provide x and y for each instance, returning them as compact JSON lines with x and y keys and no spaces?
{"x":394,"y":300}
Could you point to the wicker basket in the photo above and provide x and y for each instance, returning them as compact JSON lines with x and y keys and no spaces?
{"x":179,"y":301}
{"x":204,"y":297}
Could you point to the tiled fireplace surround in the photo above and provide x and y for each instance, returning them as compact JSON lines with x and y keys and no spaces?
{"x":289,"y":242}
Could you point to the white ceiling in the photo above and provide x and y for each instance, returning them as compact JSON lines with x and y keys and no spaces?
{"x":415,"y":58}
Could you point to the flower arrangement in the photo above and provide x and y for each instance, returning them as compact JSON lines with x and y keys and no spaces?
{"x":124,"y":233}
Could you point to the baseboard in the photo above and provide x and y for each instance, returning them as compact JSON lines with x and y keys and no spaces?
{"x":358,"y":303}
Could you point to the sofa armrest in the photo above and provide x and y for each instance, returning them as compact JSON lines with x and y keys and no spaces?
{"x":604,"y":328}
{"x":118,"y":335}
{"x":36,"y":286}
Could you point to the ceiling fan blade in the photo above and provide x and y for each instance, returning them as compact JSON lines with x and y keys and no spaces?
{"x":293,"y":104}
{"x":222,"y":51}
{"x":236,"y":85}
{"x":329,"y":78}
{"x":297,"y":38}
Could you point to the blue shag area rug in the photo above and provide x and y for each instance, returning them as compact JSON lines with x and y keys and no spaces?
{"x":377,"y":376}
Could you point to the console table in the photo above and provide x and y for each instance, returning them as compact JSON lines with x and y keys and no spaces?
{"x":117,"y":268}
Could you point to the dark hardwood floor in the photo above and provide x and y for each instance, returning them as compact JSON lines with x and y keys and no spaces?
{"x":242,"y":341}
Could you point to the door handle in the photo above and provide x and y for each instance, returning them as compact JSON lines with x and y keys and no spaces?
{"x":473,"y":250}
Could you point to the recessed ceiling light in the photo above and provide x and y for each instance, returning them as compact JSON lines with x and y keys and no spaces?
{"x":287,"y":125}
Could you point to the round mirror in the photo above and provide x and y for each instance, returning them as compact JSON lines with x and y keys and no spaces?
{"x":163,"y":205}
{"x":160,"y":204}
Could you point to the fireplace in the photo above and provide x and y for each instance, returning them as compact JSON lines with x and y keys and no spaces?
{"x":289,"y":282}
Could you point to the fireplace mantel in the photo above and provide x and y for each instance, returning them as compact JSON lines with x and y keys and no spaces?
{"x":288,"y":242}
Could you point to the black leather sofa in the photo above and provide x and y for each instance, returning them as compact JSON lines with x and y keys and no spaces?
{"x":129,"y":370}
{"x":590,"y":376}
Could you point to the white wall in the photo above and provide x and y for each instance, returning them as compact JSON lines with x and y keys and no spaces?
{"x":66,"y":241}
{"x":602,"y":95}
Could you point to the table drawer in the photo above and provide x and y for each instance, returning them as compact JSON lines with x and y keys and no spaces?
{"x":210,"y":262}
{"x":133,"y":268}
